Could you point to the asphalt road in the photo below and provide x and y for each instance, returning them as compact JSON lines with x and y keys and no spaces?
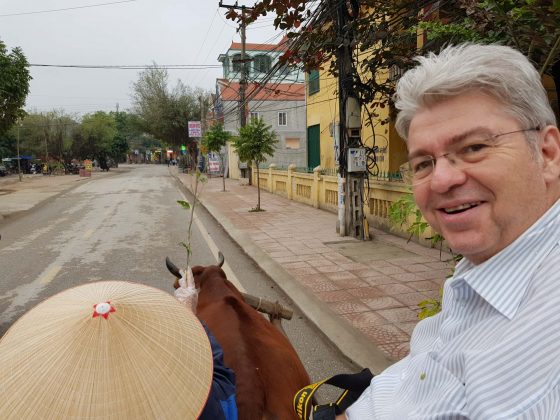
{"x":122,"y":227}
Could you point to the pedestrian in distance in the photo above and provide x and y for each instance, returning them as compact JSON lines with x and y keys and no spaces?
{"x":484,"y":165}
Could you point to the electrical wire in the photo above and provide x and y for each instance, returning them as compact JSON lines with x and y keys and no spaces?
{"x":67,"y":8}
{"x":131,"y":67}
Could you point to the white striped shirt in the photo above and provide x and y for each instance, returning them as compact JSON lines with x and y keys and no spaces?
{"x":494,"y":350}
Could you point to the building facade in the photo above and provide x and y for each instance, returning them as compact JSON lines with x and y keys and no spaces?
{"x":273,"y":93}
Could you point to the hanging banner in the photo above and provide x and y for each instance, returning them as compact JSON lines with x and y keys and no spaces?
{"x":195,"y":129}
{"x":213,"y":163}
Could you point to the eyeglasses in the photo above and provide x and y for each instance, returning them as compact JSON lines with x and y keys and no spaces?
{"x":465,"y":153}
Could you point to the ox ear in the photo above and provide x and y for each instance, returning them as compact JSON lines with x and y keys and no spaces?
{"x":172,"y":268}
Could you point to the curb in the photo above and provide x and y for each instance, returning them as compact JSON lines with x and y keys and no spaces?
{"x":350,"y":342}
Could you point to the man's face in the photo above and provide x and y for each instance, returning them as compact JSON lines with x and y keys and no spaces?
{"x":484,"y":207}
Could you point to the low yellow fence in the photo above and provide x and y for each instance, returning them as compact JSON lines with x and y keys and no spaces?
{"x":321,"y":191}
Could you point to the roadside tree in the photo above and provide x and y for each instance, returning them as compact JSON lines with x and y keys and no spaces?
{"x":48,"y":134}
{"x":255,"y":142}
{"x":165,"y":112}
{"x":14,"y":86}
{"x":95,"y":137}
{"x":215,"y":140}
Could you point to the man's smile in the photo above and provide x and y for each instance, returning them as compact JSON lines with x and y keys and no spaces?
{"x":460,"y":207}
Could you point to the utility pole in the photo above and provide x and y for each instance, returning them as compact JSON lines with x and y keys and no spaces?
{"x":202,"y":115}
{"x":351,"y":155}
{"x":19,"y":157}
{"x":243,"y":78}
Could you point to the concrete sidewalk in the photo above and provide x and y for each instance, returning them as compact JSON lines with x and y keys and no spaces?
{"x":362,"y":294}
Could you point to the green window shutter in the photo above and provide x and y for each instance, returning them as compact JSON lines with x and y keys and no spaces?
{"x":313,"y":82}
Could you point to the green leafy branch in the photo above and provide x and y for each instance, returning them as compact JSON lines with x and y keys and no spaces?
{"x":400,"y":213}
{"x":199,"y":179}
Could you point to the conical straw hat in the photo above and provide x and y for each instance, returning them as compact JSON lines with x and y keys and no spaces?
{"x":138,"y":355}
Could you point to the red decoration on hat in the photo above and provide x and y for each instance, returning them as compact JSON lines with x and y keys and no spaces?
{"x":103,"y":309}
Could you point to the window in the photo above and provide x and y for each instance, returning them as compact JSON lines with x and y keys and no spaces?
{"x":292,"y":143}
{"x":236,"y":61}
{"x":254,"y":116}
{"x":285,"y":70}
{"x":313,"y":80}
{"x":282,"y":118}
{"x":262,"y":63}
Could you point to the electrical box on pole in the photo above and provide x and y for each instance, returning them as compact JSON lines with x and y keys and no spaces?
{"x":357,"y":161}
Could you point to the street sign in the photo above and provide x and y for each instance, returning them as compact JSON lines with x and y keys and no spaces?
{"x":195,"y":129}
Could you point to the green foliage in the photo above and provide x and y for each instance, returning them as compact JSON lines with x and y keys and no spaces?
{"x":256,"y":141}
{"x":14,"y":86}
{"x":96,"y":135}
{"x":402,"y":210}
{"x":165,"y":112}
{"x":430,"y":307}
{"x":199,"y":179}
{"x":400,"y":213}
{"x":216,"y":138}
{"x":7,"y":145}
{"x":47,"y":134}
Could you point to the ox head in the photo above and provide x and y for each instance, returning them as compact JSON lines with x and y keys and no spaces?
{"x":197,"y":270}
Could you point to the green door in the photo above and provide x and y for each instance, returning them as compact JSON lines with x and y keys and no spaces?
{"x":313,"y":146}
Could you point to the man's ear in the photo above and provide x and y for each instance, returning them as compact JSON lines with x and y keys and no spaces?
{"x":550,"y":150}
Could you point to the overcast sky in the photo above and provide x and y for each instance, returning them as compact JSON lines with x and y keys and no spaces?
{"x":133,"y":32}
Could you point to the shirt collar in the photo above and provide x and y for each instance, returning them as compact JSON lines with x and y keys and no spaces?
{"x":503,"y":279}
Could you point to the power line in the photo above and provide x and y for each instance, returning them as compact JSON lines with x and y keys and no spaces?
{"x":132,"y":67}
{"x":67,"y":8}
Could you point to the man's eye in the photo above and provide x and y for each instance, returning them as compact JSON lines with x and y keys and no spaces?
{"x":473,"y":148}
{"x":422,"y":166}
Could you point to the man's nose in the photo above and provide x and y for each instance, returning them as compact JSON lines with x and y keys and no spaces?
{"x":446,"y":174}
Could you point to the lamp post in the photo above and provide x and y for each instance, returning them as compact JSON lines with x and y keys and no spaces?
{"x":18,"y":157}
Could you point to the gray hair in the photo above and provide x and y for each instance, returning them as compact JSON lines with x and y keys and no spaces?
{"x":496,"y":70}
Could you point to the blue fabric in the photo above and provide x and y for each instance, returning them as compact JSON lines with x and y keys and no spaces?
{"x":221,"y":401}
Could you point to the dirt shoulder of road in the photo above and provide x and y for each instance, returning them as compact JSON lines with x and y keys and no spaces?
{"x":18,"y":197}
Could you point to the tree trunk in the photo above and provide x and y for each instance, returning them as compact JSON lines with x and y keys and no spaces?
{"x":223,"y":172}
{"x":258,"y":189}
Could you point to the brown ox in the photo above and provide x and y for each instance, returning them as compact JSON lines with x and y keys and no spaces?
{"x":267,"y":368}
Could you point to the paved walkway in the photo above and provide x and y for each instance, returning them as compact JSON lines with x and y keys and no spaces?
{"x":372,"y":287}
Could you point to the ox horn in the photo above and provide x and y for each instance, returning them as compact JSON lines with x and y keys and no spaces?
{"x":220,"y":259}
{"x":172,"y":268}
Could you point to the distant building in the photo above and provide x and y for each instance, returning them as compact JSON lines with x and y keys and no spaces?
{"x":278,"y":99}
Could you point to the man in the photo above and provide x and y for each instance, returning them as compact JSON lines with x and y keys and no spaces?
{"x":484,"y":154}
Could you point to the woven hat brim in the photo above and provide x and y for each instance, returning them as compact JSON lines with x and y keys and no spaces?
{"x":151,"y":359}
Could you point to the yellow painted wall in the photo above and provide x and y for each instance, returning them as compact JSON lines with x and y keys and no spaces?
{"x":322,"y":109}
